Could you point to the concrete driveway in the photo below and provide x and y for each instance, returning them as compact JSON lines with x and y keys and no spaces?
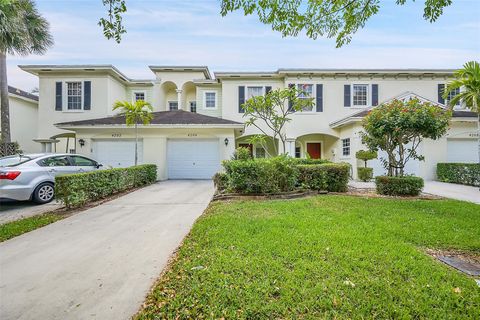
{"x":15,"y":210}
{"x":100,"y":263}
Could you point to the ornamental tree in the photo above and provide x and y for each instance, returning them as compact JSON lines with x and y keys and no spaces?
{"x":270,"y":113}
{"x":366,"y":155}
{"x":398,"y":128}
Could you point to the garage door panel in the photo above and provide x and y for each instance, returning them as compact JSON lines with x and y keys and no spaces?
{"x":192,"y":159}
{"x":117,"y":153}
{"x":462,"y":150}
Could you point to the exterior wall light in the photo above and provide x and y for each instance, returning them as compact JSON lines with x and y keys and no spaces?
{"x":226,"y":141}
{"x":81,"y":142}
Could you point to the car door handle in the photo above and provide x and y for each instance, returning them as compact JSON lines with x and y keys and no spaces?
{"x":81,"y":170}
{"x":52,"y":170}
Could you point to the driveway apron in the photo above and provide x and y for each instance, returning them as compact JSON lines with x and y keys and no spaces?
{"x":100,"y":263}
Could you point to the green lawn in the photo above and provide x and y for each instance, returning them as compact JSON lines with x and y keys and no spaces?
{"x":323,"y":257}
{"x":16,"y":228}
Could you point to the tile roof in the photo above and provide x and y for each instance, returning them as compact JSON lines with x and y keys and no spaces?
{"x":179,"y":117}
{"x":22,"y":93}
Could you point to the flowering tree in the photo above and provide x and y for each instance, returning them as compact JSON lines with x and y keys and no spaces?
{"x":398,"y":128}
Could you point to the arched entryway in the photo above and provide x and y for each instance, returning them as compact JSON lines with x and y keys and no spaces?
{"x":263,"y":147}
{"x":169,"y":99}
{"x":315,"y":146}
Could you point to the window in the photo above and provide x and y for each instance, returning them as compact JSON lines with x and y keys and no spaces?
{"x":298,"y":152}
{"x":193,"y":106}
{"x":452,"y":94}
{"x":172,"y":105}
{"x":82,"y":162}
{"x":306,"y":91}
{"x":346,"y":147}
{"x":74,"y":95}
{"x":360,"y":95}
{"x":138,"y":95}
{"x":210,"y":100}
{"x":58,"y":161}
{"x":254,"y":92}
{"x":259,"y":152}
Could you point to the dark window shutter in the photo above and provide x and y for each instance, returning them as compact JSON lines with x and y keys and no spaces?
{"x":87,"y":95}
{"x":241,"y":99}
{"x":290,"y":103}
{"x":268,"y":89}
{"x":441,"y":89}
{"x":319,"y":98}
{"x":346,"y":95}
{"x":58,"y":96}
{"x":374,"y":94}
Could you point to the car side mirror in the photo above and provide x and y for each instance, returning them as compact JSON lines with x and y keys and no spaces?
{"x":99,"y":165}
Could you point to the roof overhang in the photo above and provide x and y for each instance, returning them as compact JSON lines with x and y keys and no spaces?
{"x":151,"y":126}
{"x":367,"y":72}
{"x":247,"y":75}
{"x":203,"y":69}
{"x":86,"y":68}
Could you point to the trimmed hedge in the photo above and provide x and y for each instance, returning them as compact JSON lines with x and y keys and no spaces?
{"x":399,"y":186}
{"x":461,"y":173}
{"x":310,"y":161}
{"x":365,"y":174}
{"x":75,"y":190}
{"x":332,"y":177}
{"x":280,"y":174}
{"x":260,"y":176}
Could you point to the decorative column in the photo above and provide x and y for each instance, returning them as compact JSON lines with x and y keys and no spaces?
{"x":179,"y":99}
{"x":290,"y":146}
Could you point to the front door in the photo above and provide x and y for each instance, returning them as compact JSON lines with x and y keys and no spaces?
{"x":314,"y":150}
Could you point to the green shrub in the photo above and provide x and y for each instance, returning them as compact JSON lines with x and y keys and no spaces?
{"x":242,"y":153}
{"x":75,"y":190}
{"x":220,"y":181}
{"x":365,"y":174}
{"x":260,"y":176}
{"x":310,"y":161}
{"x":399,"y":186}
{"x":461,"y":173}
{"x":329,"y":176}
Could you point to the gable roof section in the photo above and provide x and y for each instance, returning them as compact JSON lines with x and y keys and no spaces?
{"x":161,"y":118}
{"x":22,"y":94}
{"x":358,"y":116}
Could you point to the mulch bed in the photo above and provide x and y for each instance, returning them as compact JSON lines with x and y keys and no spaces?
{"x":284,"y":195}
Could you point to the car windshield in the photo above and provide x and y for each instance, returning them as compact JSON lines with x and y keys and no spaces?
{"x":12,"y":161}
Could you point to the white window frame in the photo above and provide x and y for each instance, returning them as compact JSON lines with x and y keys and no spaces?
{"x":369,"y":95}
{"x":205,"y":100}
{"x":457,"y":106}
{"x":65,"y":96}
{"x":134,"y":92}
{"x":314,"y":96}
{"x":190,"y":105}
{"x":172,"y":101}
{"x":255,"y":147}
{"x":254,"y":86}
{"x":349,"y":147}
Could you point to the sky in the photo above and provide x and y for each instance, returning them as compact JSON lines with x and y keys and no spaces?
{"x":192,"y":32}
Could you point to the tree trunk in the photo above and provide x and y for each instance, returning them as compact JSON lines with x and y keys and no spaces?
{"x":5,"y":107}
{"x":136,"y":142}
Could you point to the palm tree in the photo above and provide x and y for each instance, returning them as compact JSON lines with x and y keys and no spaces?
{"x":23,"y":31}
{"x":135,"y":113}
{"x":467,"y":80}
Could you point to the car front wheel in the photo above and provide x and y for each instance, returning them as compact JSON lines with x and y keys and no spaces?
{"x":43,"y":193}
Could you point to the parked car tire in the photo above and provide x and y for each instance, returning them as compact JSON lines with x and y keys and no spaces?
{"x":43,"y":193}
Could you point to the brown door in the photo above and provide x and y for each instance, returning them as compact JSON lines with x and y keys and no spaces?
{"x":314,"y":150}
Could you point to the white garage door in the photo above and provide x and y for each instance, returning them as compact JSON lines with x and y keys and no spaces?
{"x":117,"y":153}
{"x":192,"y":159}
{"x":412,"y":166}
{"x":462,"y":150}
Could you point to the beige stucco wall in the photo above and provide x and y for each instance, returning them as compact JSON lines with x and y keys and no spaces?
{"x":24,"y":123}
{"x":155,"y":142}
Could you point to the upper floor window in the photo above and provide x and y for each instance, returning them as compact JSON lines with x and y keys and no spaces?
{"x":172,"y":105}
{"x":139,"y":95}
{"x":74,"y":95}
{"x":193,"y":106}
{"x":346,"y":147}
{"x":210,"y":100}
{"x":306,"y":91}
{"x":451,"y":95}
{"x":254,"y":92}
{"x":360,"y":95}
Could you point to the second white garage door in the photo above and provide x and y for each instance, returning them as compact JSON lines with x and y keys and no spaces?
{"x":192,"y":159}
{"x":462,"y":150}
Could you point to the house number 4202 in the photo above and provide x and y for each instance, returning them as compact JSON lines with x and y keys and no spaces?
{"x":192,"y":134}
{"x":116,"y":135}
